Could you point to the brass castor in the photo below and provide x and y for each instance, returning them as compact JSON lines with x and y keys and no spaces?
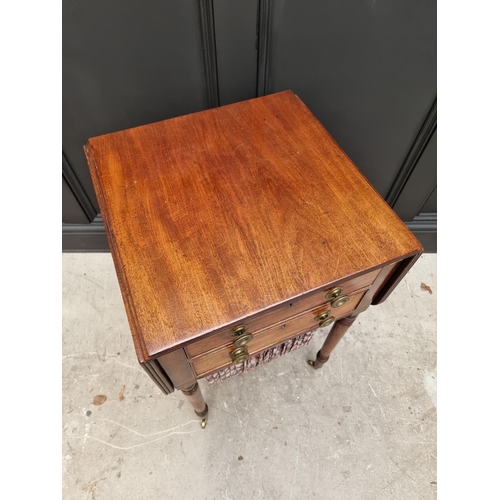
{"x":203,"y":415}
{"x":310,"y":362}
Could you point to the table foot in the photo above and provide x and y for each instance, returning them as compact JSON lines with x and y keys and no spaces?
{"x":203,"y":414}
{"x":195,"y":397}
{"x":318,"y":362}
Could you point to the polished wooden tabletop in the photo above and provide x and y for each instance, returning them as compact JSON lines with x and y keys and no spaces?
{"x":220,"y":214}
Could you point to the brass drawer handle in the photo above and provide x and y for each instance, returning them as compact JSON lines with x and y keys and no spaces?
{"x":238,"y":330}
{"x":326,"y":322}
{"x":239,"y":355}
{"x":340,"y":301}
{"x":333,"y":294}
{"x":243,"y":340}
{"x":238,"y":351}
{"x":322,"y":316}
{"x":241,"y":359}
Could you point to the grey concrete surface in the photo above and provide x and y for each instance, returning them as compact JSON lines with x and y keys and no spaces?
{"x":363,"y":427}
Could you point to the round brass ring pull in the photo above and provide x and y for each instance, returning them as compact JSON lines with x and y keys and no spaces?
{"x":239,"y":355}
{"x":326,"y":322}
{"x":238,"y":352}
{"x":333,"y":294}
{"x":340,"y":301}
{"x":322,"y":316}
{"x":243,"y":340}
{"x":238,"y":330}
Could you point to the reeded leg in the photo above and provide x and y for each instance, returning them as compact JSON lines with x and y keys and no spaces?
{"x":195,"y":397}
{"x":336,"y":333}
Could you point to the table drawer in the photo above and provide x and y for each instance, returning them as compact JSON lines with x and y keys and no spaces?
{"x":283,"y":312}
{"x":264,"y":339}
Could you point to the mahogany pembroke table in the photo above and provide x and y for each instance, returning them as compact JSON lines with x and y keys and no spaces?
{"x":235,"y":233}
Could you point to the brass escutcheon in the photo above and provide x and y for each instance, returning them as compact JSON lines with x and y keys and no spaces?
{"x":322,"y":316}
{"x":340,"y":301}
{"x":238,"y":330}
{"x":333,"y":294}
{"x":326,"y":322}
{"x":243,"y":340}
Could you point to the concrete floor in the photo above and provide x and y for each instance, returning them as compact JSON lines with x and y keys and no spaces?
{"x":363,"y":427}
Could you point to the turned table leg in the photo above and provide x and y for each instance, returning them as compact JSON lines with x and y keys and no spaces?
{"x":336,"y":333}
{"x":195,"y":397}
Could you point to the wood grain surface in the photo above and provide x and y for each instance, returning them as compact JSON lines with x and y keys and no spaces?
{"x":221,"y":214}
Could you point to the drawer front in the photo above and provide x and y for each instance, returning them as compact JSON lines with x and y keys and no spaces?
{"x":285,"y":311}
{"x":264,"y":339}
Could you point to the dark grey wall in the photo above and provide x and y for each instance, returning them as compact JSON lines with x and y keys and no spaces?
{"x":367,"y":70}
{"x":431,"y":204}
{"x":236,"y":38}
{"x":127,"y":64}
{"x":73,"y":212}
{"x":421,"y":186}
